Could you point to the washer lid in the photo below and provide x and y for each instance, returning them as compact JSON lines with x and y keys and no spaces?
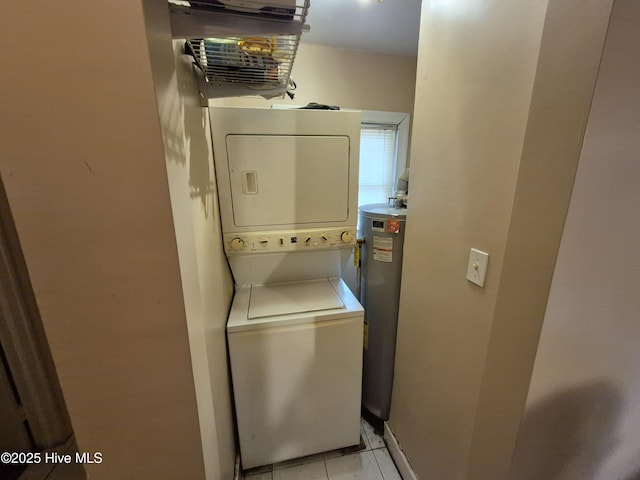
{"x":287,"y":298}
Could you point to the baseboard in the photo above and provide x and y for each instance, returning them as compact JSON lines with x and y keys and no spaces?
{"x":400,"y":459}
{"x":236,"y":472}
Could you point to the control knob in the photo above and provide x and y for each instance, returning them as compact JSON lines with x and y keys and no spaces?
{"x":346,"y":237}
{"x":237,"y":244}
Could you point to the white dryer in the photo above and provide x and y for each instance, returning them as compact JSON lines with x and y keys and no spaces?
{"x":287,"y":182}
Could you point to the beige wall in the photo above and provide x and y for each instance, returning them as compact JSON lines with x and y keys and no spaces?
{"x":502,"y":95}
{"x":83,"y":164}
{"x":347,"y":78}
{"x":583,"y":408}
{"x":474,"y":85}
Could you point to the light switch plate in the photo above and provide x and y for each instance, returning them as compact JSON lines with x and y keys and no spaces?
{"x":477,"y":268}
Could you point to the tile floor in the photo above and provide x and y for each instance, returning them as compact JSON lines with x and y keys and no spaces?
{"x":371,"y":463}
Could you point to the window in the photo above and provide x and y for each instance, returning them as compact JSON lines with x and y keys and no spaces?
{"x":383,"y":154}
{"x":377,"y":162}
{"x":384,"y":144}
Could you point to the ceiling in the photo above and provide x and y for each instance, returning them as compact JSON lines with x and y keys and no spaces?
{"x":387,"y":26}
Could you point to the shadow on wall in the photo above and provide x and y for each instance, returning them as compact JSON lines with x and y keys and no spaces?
{"x":568,"y":435}
{"x":196,"y":141}
{"x":200,"y":175}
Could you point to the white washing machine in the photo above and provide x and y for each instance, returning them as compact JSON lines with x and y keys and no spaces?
{"x":287,"y":182}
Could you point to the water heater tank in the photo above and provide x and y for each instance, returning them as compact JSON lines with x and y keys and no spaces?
{"x":383,"y":228}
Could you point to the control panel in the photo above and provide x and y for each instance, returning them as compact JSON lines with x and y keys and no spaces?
{"x":288,"y":240}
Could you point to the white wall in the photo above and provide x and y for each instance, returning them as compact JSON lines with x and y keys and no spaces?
{"x":206,"y":281}
{"x":583,"y":410}
{"x":347,"y":78}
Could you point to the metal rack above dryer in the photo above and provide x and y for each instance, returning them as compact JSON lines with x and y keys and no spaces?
{"x":241,"y":47}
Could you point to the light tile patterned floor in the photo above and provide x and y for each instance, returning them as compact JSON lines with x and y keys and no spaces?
{"x":371,"y":463}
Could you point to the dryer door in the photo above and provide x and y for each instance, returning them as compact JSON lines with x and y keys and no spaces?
{"x":288,"y":179}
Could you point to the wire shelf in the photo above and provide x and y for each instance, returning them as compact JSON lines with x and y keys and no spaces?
{"x":262,"y":62}
{"x":241,"y":44}
{"x":286,"y":10}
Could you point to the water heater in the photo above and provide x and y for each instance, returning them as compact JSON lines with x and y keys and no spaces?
{"x":382,"y":228}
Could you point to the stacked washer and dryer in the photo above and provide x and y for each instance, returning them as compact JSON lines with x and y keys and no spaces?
{"x":288,"y":186}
